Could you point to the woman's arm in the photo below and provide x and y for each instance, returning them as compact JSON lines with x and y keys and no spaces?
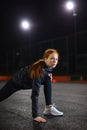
{"x":35,"y":93}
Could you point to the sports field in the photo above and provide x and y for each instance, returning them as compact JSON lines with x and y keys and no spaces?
{"x":71,"y":98}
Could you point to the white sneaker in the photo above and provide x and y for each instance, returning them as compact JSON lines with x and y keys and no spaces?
{"x":51,"y":110}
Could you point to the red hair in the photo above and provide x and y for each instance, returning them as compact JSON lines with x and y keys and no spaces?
{"x":48,"y":52}
{"x":36,"y":69}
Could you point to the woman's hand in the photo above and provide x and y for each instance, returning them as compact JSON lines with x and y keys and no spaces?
{"x":39,"y":119}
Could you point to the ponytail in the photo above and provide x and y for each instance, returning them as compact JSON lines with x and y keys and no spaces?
{"x":35,"y":70}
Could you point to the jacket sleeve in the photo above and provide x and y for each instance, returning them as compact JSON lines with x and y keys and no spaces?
{"x":34,"y":96}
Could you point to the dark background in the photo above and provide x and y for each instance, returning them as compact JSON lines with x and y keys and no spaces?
{"x":52,"y":27}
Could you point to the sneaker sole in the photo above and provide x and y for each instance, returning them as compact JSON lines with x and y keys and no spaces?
{"x":52,"y":115}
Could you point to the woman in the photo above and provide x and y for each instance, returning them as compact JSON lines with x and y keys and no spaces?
{"x":32,"y":77}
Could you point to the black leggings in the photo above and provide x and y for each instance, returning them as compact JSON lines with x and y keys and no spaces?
{"x":8,"y":89}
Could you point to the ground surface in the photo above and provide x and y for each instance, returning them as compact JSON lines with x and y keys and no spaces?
{"x":71,"y":98}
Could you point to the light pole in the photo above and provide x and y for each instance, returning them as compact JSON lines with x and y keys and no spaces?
{"x":71,"y":6}
{"x":25,"y":26}
{"x":75,"y":37}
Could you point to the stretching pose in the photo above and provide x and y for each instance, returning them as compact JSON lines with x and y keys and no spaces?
{"x":32,"y":77}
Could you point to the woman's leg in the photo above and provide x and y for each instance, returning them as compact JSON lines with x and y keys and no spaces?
{"x":48,"y":91}
{"x":50,"y":109}
{"x":9,"y":88}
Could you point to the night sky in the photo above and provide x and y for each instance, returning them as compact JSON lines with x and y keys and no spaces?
{"x":49,"y":20}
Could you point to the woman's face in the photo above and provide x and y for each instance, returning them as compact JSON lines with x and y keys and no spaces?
{"x":52,"y":60}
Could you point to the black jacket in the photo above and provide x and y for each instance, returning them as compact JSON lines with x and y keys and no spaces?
{"x":25,"y":82}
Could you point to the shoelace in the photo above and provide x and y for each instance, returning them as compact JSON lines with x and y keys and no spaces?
{"x":53,"y":105}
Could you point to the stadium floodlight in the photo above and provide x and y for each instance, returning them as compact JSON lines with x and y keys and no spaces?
{"x":25,"y":25}
{"x":70,"y":5}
